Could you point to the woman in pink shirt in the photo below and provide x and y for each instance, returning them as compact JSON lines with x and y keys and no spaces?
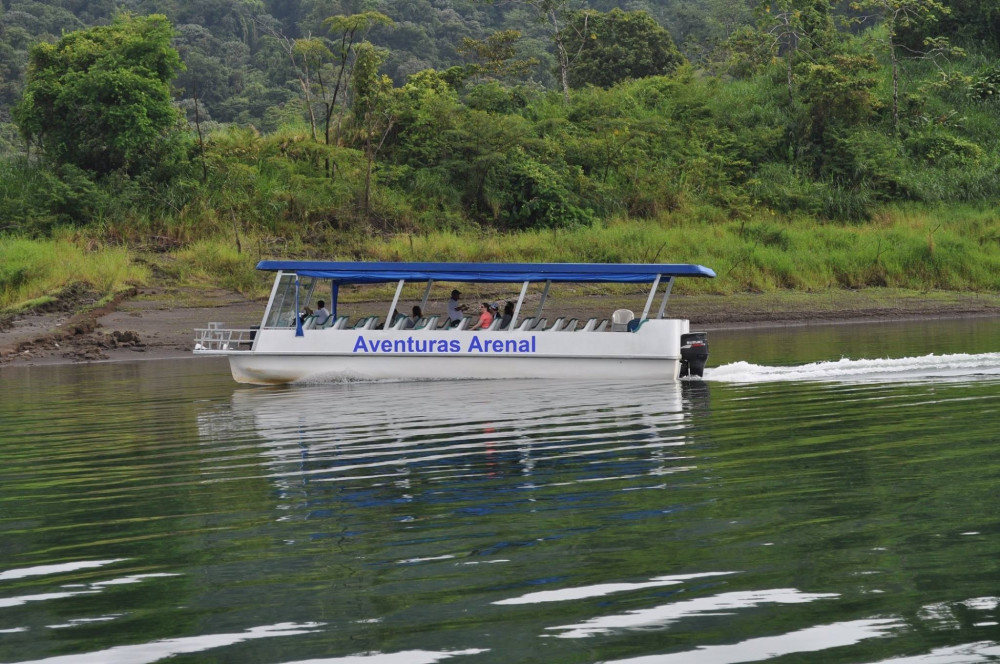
{"x":485,"y":318}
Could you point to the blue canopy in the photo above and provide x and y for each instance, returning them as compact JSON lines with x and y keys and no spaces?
{"x":372,"y":273}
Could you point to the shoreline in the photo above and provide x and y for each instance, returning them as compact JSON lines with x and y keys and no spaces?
{"x":158,"y":324}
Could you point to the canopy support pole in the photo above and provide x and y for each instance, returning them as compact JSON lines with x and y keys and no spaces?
{"x":666,"y":296}
{"x":517,"y":309}
{"x":427,"y":294}
{"x":334,"y":297}
{"x":298,"y":315}
{"x":541,"y":303}
{"x":392,"y":307}
{"x":652,"y":294}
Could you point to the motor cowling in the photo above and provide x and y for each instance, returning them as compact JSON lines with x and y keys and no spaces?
{"x":694,"y":353}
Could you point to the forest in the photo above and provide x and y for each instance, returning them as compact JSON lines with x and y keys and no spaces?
{"x":790,"y":143}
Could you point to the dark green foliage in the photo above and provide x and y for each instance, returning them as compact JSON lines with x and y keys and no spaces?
{"x":617,"y":46}
{"x":986,"y":85}
{"x":99,"y":99}
{"x":792,"y":113}
{"x":939,"y":147}
{"x":494,"y":98}
{"x":970,"y":21}
{"x":524,"y":193}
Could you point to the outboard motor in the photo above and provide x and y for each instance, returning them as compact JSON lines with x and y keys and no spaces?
{"x":694,"y":353}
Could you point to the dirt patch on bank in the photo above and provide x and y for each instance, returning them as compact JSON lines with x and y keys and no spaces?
{"x":140,"y":323}
{"x":159,"y":322}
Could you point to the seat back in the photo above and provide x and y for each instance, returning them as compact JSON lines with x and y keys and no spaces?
{"x":526,"y":324}
{"x":340,"y":323}
{"x":620,"y":320}
{"x":571,"y":325}
{"x":495,"y":325}
{"x":591,"y":324}
{"x":603,"y":326}
{"x":427,"y":323}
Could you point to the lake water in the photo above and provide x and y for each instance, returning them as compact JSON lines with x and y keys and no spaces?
{"x":827,"y":494}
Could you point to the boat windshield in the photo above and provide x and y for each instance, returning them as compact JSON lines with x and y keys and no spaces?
{"x":283,"y":308}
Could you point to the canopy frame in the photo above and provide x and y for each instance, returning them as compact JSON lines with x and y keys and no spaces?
{"x":525,"y":273}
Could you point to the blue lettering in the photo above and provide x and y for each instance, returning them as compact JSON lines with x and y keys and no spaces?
{"x":454,"y":346}
{"x":360,"y":344}
{"x":475,"y":346}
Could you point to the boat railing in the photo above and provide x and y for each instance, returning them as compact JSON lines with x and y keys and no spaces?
{"x":218,"y":337}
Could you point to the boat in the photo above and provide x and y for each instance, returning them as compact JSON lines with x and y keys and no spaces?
{"x":290,"y":346}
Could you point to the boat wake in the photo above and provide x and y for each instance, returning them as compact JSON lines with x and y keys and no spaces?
{"x":906,"y":369}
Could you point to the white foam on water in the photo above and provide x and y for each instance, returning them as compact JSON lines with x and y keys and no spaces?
{"x":956,"y":366}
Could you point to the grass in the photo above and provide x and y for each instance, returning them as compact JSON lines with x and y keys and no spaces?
{"x":32,"y":271}
{"x":905,"y":248}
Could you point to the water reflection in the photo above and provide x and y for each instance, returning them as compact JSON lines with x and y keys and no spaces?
{"x":661,"y":617}
{"x":810,"y":640}
{"x":386,"y":433}
{"x":146,"y":653}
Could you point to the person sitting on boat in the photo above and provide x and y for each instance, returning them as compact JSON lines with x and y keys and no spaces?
{"x":455,"y":309}
{"x":396,"y":316}
{"x":485,"y":318}
{"x":322,"y":315}
{"x":412,"y":321}
{"x":508,"y":315}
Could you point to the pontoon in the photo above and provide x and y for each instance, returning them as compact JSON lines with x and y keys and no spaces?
{"x":289,"y":346}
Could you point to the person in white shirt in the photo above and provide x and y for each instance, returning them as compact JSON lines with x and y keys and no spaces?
{"x":455,"y":309}
{"x":322,"y":314}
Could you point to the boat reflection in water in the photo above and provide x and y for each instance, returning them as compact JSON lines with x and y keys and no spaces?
{"x":383,"y":434}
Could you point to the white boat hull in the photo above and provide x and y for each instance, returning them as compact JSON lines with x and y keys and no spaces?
{"x":650,"y":353}
{"x":274,"y":369}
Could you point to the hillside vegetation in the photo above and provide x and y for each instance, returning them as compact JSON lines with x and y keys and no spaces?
{"x":793,"y":144}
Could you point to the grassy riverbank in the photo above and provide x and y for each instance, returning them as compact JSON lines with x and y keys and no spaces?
{"x":905,"y":249}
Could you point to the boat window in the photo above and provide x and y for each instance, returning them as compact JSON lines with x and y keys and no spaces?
{"x":283,"y":311}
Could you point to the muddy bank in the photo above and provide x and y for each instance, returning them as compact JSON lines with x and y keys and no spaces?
{"x":159,"y":323}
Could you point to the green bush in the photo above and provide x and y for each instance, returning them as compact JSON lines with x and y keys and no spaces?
{"x":525,"y":193}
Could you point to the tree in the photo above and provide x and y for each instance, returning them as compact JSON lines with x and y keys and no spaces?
{"x":323,"y":66}
{"x":493,"y":57}
{"x":797,"y":28}
{"x":100,"y":98}
{"x":896,"y":16}
{"x":373,"y":113}
{"x":346,"y":30}
{"x":555,"y":14}
{"x":616,"y":46}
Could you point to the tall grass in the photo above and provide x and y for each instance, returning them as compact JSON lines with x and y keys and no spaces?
{"x":905,"y":247}
{"x":216,"y":263}
{"x":30,"y":269}
{"x":909,"y":247}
